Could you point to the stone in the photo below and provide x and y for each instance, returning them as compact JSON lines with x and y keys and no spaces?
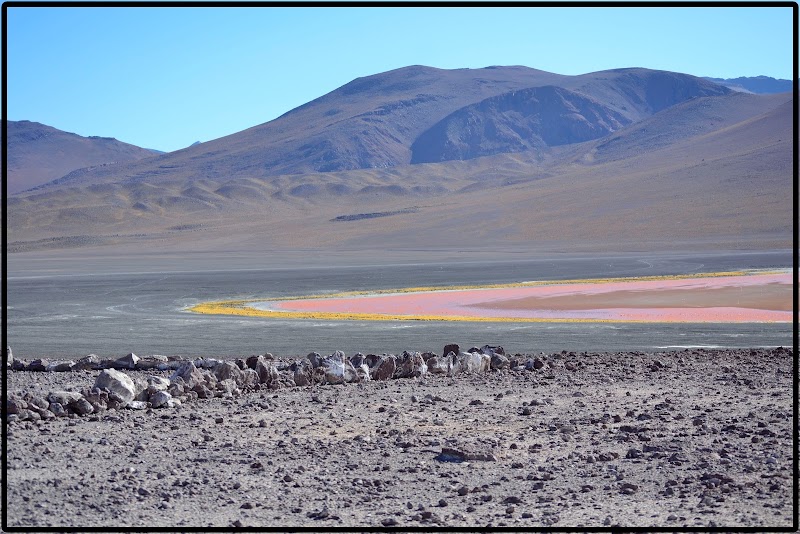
{"x":471,"y":362}
{"x":206,"y":363}
{"x":451,"y":348}
{"x":9,"y":356}
{"x":18,"y":365}
{"x":337,"y":369}
{"x":191,"y":376}
{"x":151,"y":362}
{"x":267,"y":373}
{"x":60,"y":366}
{"x":362,"y":373}
{"x":57,"y":409}
{"x":117,"y":382}
{"x":38,"y":365}
{"x":126,"y":362}
{"x":89,"y":362}
{"x":157,"y":383}
{"x":161,"y":399}
{"x":488,"y":349}
{"x":249,"y":378}
{"x":439,"y":365}
{"x":141,"y":387}
{"x":171,"y":365}
{"x":315,"y":358}
{"x":15,"y":405}
{"x":251,"y":361}
{"x":37,"y":403}
{"x":137,"y":405}
{"x":358,"y":360}
{"x":302,"y":371}
{"x":461,"y":454}
{"x":383,"y":367}
{"x":83,"y":407}
{"x":64,"y":398}
{"x":227,"y":370}
{"x":410,"y":365}
{"x":498,"y":361}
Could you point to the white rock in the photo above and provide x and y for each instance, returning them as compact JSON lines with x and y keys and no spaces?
{"x":160,"y":399}
{"x":118,"y":382}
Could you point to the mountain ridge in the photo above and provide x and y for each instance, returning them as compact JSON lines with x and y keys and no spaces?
{"x":607,"y":147}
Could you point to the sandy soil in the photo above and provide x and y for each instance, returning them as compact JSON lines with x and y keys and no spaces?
{"x":691,"y":438}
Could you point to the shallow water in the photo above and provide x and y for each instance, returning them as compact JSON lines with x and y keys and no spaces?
{"x":61,"y":313}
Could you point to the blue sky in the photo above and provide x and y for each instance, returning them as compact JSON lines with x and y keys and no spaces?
{"x":166,"y":77}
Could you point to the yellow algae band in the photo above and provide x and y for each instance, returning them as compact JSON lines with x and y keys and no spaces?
{"x":242,"y":308}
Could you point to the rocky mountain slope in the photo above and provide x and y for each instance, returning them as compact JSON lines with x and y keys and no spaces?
{"x":38,"y":153}
{"x":452,"y":158}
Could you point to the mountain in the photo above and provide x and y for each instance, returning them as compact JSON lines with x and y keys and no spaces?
{"x":423,"y":159}
{"x":763,"y":85}
{"x":38,"y":153}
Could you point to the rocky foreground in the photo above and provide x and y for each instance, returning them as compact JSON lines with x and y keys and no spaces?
{"x":467,"y":438}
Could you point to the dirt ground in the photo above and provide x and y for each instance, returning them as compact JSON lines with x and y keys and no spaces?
{"x":693,"y":438}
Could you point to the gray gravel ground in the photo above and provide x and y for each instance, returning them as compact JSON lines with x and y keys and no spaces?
{"x":692,"y":438}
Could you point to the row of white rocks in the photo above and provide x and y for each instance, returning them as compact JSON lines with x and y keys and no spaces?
{"x":208,"y":377}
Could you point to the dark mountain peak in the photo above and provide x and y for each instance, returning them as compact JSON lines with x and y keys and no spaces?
{"x":525,"y":119}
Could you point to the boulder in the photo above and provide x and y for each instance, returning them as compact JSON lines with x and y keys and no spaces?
{"x":83,"y":407}
{"x":117,"y":382}
{"x":302,"y":372}
{"x":137,"y":405}
{"x":410,"y":365}
{"x":171,"y":365}
{"x":337,"y":369}
{"x":357,"y":359}
{"x":58,"y":409}
{"x":315,"y":358}
{"x":227,"y":370}
{"x":18,"y":365}
{"x":126,"y":362}
{"x":38,"y":365}
{"x":151,"y":362}
{"x":451,"y":348}
{"x":140,"y":388}
{"x":206,"y":363}
{"x":89,"y":362}
{"x":471,"y":362}
{"x":98,"y":399}
{"x":439,"y":365}
{"x":64,"y":398}
{"x":9,"y":356}
{"x":161,"y":399}
{"x":252,"y":361}
{"x":191,"y":375}
{"x":428,"y":355}
{"x":267,"y":373}
{"x":362,"y":372}
{"x":37,"y":403}
{"x":249,"y":379}
{"x":15,"y":405}
{"x":383,"y":367}
{"x":157,"y":383}
{"x":60,"y":366}
{"x":498,"y":361}
{"x":488,"y":349}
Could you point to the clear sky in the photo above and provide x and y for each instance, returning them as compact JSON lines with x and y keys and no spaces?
{"x":164,"y":78}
